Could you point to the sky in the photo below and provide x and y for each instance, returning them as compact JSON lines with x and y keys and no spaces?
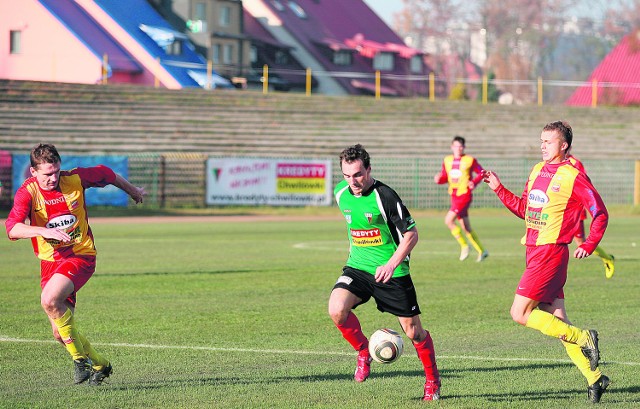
{"x":385,"y":8}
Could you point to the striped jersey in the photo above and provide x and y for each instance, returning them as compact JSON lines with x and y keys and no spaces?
{"x":552,"y":202}
{"x":63,"y":208}
{"x":376,"y":222}
{"x":458,"y":172}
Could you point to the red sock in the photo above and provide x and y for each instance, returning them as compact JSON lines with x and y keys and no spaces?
{"x":352,"y":332}
{"x":427,"y":355}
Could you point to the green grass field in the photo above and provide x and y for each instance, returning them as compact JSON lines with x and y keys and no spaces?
{"x":220,"y":314}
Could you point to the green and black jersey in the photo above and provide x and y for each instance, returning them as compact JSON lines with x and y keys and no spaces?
{"x":376,"y":222}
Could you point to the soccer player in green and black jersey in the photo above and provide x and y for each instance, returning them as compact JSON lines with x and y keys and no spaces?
{"x":382,"y":233}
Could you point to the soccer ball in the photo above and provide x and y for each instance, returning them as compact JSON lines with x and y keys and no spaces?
{"x":385,"y":346}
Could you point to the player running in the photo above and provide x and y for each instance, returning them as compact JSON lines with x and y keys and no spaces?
{"x":606,"y":258}
{"x":551,"y":204}
{"x":457,"y":170}
{"x":382,"y":233}
{"x":53,"y":200}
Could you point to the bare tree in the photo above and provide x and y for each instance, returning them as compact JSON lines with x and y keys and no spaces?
{"x":433,"y":26}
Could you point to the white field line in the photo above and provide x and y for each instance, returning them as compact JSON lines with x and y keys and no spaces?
{"x":293,"y":351}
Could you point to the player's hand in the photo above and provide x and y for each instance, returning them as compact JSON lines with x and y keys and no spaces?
{"x":138,"y":194}
{"x":580,"y":253}
{"x":471,"y":185}
{"x":384,"y":273}
{"x":436,"y":178}
{"x":490,"y":178}
{"x":55,"y":234}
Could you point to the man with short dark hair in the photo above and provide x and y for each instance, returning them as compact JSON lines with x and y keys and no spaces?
{"x":551,"y":205}
{"x":382,"y":234}
{"x":54,"y":202}
{"x":458,"y":171}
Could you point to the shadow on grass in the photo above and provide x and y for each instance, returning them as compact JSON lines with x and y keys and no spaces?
{"x":612,"y":395}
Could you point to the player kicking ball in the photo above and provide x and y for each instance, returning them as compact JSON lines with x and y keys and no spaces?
{"x":54,"y":202}
{"x":382,"y":233}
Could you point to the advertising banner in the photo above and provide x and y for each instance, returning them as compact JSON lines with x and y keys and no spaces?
{"x":107,"y":196}
{"x":278,"y":182}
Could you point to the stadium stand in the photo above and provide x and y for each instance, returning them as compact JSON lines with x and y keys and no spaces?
{"x":133,"y":119}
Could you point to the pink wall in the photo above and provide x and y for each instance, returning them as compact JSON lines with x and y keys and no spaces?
{"x":49,"y":52}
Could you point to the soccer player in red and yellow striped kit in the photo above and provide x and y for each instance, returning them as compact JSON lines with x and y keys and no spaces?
{"x":579,"y":235}
{"x":551,"y":206}
{"x":457,"y":170}
{"x":54,"y":202}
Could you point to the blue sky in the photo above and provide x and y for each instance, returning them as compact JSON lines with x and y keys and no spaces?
{"x":385,"y":8}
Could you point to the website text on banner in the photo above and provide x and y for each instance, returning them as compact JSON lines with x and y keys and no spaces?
{"x":276,"y":182}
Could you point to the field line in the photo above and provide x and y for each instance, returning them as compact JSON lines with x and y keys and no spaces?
{"x":294,"y":352}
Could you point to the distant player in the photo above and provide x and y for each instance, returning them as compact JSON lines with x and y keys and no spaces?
{"x":54,"y":202}
{"x":457,"y":170}
{"x":382,"y":233}
{"x":551,"y":204}
{"x":607,"y":258}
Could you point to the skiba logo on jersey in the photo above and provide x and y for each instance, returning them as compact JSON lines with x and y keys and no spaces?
{"x":455,"y":173}
{"x":369,"y":217}
{"x":538,"y":198}
{"x":63,"y":222}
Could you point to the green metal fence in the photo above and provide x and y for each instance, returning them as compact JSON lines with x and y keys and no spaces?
{"x":178,"y":180}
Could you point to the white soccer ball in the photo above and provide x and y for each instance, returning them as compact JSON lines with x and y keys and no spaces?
{"x":385,"y":346}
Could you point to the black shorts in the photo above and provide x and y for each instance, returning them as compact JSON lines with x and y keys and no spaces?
{"x":397,"y":296}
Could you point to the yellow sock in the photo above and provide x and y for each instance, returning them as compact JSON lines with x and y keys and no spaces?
{"x":581,"y":361}
{"x":69,"y":332}
{"x":552,"y":326}
{"x":602,"y":254}
{"x":475,"y":242}
{"x":457,"y":234}
{"x":97,"y":361}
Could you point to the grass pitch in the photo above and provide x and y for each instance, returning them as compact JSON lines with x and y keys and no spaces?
{"x":219,"y":314}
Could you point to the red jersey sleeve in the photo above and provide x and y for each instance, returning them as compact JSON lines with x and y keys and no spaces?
{"x":477,"y":169}
{"x":592,"y":202}
{"x":21,"y":209}
{"x":442,"y":177}
{"x":517,"y":205}
{"x":97,"y":176}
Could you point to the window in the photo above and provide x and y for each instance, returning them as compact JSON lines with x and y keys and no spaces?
{"x":416,"y":64}
{"x":227,"y":56}
{"x":216,"y":53}
{"x":15,"y":39}
{"x":199,"y":22}
{"x":253,"y":54}
{"x":175,"y":48}
{"x":383,"y":61}
{"x":282,"y":57}
{"x":342,"y":57}
{"x":225,"y":16}
{"x":297,"y":10}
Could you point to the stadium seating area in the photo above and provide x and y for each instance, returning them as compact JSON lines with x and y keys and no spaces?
{"x":133,"y":119}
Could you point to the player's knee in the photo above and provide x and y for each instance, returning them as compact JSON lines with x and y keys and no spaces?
{"x":337,"y":314}
{"x":518,"y":317}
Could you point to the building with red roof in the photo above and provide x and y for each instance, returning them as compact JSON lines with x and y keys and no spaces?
{"x":617,"y":76}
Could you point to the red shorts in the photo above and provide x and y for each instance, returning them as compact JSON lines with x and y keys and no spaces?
{"x":579,"y":233}
{"x":460,"y":204}
{"x":78,"y":269}
{"x":545,"y":274}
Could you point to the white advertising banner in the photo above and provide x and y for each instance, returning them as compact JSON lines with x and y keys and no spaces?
{"x":280,"y":182}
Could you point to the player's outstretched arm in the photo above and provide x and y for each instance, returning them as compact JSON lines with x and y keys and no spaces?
{"x":491,"y":179}
{"x":135,"y":192}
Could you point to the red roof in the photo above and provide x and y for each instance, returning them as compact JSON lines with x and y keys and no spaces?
{"x":618,"y":76}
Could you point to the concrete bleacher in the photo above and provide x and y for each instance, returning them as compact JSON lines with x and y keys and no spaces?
{"x":125,"y":119}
